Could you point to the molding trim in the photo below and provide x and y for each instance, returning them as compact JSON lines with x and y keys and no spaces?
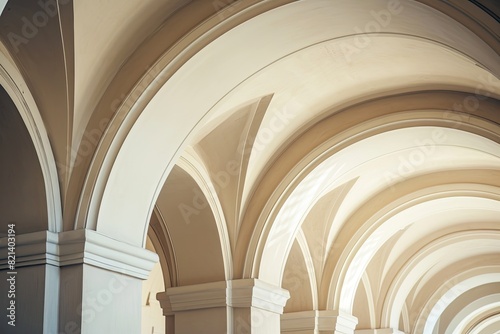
{"x":165,"y":305}
{"x":80,"y":247}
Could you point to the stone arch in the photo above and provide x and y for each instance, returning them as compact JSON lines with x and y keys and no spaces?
{"x":393,"y":304}
{"x":163,"y":106}
{"x":378,"y":236}
{"x":452,"y":289}
{"x":334,"y":168}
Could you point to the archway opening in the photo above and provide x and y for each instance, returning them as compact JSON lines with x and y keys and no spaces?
{"x":23,"y":199}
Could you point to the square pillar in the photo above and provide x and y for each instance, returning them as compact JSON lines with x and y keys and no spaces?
{"x":238,"y":306}
{"x":100,"y":283}
{"x":75,"y":282}
{"x":196,"y":308}
{"x":257,"y":306}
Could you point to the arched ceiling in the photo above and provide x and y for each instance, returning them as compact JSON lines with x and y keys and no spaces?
{"x":245,"y":60}
{"x":348,"y":151}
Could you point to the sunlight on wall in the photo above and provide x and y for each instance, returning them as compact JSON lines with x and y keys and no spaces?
{"x":153,"y":321}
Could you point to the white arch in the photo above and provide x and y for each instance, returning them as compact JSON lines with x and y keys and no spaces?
{"x":135,"y":198}
{"x":453,"y":287}
{"x":400,"y":221}
{"x":448,"y":294}
{"x":309,"y":263}
{"x":350,"y":163}
{"x":484,"y":242}
{"x":488,"y":325}
{"x":191,"y":164}
{"x":471,"y":311}
{"x":370,"y":298}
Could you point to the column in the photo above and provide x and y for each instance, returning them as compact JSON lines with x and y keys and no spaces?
{"x":76,"y":282}
{"x":315,"y":322}
{"x":237,"y":306}
{"x":256,"y":305}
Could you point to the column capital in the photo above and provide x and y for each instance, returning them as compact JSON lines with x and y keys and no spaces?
{"x":235,"y":293}
{"x":379,"y":331}
{"x":78,"y":247}
{"x":253,"y":292}
{"x":327,"y":320}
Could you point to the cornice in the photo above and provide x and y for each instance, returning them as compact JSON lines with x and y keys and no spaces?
{"x":79,"y":247}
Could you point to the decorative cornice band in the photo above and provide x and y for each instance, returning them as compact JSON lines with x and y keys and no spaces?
{"x":77,"y":247}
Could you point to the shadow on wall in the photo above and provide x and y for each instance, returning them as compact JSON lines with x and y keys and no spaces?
{"x":22,"y":191}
